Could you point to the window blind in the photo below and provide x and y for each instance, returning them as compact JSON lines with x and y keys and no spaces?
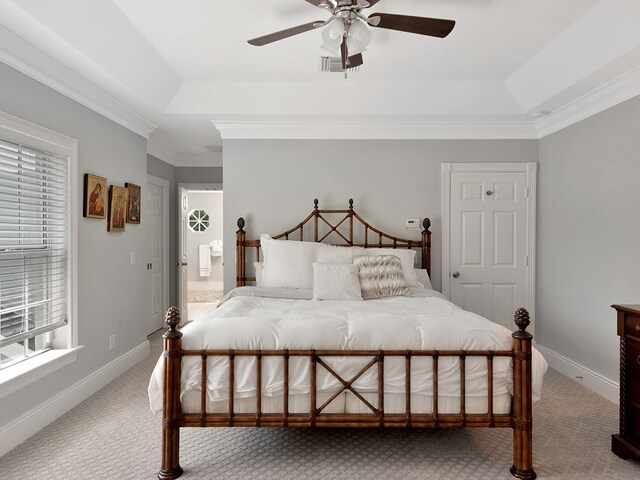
{"x":33,"y":248}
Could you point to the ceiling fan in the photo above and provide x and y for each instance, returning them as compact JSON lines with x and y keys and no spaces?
{"x":347,"y":34}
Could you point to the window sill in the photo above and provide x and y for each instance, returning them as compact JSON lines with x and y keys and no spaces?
{"x":24,"y":373}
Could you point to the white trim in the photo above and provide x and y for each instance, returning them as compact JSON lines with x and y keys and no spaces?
{"x":600,"y":384}
{"x":530,"y":168}
{"x":23,"y":427}
{"x":214,"y":187}
{"x":184,"y":159}
{"x":606,"y":96}
{"x":164,"y":184}
{"x":375,"y":129}
{"x":33,"y":369}
{"x":52,"y":73}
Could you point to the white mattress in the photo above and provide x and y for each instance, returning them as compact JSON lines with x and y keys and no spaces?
{"x":425,"y":321}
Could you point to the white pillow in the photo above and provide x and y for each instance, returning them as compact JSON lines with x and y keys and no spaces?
{"x":423,"y":277}
{"x":336,"y":282}
{"x":259,"y":266}
{"x":287,"y":263}
{"x":333,"y":254}
{"x":407,"y":257}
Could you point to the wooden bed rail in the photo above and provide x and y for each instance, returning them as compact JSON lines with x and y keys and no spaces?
{"x":520,"y":418}
{"x":319,"y":217}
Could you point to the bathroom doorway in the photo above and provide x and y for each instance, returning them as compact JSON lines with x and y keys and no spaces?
{"x":201,"y":249}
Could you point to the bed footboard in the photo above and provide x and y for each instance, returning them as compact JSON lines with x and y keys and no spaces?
{"x":519,"y":419}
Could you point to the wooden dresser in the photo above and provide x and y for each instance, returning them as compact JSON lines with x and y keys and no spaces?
{"x":627,"y":442}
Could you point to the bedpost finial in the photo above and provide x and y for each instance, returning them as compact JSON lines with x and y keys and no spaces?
{"x":315,"y":203}
{"x":351,"y":204}
{"x":240,"y":224}
{"x":172,"y":319}
{"x":426,"y":224}
{"x":522,"y":320}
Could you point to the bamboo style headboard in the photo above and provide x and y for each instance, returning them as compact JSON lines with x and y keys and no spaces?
{"x":317,"y":216}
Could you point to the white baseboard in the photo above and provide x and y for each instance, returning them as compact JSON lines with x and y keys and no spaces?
{"x":28,"y":424}
{"x":590,"y":379}
{"x":206,"y":285}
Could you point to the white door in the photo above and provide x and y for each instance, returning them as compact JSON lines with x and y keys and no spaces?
{"x":155,"y":238}
{"x":183,"y":272}
{"x":489,"y":243}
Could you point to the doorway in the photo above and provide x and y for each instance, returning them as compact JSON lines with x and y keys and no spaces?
{"x":488,"y":248}
{"x":201,"y":249}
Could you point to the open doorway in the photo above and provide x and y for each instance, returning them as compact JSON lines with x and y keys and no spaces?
{"x":201,"y":249}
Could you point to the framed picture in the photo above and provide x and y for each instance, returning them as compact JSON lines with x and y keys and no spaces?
{"x":95,"y":195}
{"x":117,"y":208}
{"x":133,"y":204}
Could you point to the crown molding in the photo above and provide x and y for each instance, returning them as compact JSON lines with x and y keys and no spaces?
{"x":374,"y":129}
{"x":598,"y":100}
{"x":36,"y":64}
{"x":184,"y":159}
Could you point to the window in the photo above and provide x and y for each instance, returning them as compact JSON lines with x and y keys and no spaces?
{"x":34,"y":249}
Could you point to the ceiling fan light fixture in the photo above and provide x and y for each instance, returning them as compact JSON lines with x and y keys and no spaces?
{"x":359,"y":38}
{"x":333,"y":32}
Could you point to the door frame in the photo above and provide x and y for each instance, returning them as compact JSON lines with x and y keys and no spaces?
{"x":530,"y":168}
{"x":189,"y":187}
{"x":164,"y":184}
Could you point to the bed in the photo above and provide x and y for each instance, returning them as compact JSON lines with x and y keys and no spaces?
{"x":276,"y":356}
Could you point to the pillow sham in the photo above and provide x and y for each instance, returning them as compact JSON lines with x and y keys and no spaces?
{"x":336,"y":282}
{"x":423,"y":277}
{"x":407,"y":258}
{"x":333,"y":254}
{"x":287,"y":263}
{"x":259,"y":267}
{"x":381,"y":276}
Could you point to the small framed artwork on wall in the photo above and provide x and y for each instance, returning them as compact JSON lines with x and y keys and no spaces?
{"x":117,"y":208}
{"x":133,"y":203}
{"x":95,"y":192}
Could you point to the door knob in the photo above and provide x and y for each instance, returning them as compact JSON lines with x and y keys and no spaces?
{"x":184,"y":264}
{"x":489,"y":192}
{"x":455,"y":274}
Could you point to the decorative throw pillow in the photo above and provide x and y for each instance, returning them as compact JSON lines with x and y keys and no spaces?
{"x":407,"y":258}
{"x":336,"y":282}
{"x":381,"y":276}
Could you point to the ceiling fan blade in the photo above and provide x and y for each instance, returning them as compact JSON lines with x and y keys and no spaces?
{"x":370,"y":2}
{"x":344,"y":53}
{"x":289,"y":32}
{"x":434,"y":27}
{"x":355,"y":60}
{"x":320,"y":3}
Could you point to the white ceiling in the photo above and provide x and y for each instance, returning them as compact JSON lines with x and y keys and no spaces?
{"x":509,"y":69}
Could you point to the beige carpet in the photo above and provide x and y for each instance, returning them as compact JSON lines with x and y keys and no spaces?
{"x":113,"y":435}
{"x":204,"y":296}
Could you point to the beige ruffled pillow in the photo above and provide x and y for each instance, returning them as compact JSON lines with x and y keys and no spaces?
{"x":381,"y":276}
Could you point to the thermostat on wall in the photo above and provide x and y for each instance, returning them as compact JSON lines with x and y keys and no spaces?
{"x":413,"y":223}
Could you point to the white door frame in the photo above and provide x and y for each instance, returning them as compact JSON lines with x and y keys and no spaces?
{"x":164,"y":184}
{"x":530,"y":168}
{"x":190,"y":187}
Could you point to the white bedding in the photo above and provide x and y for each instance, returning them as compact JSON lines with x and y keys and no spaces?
{"x":250,"y":318}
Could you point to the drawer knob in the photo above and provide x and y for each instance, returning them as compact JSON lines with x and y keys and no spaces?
{"x":638,"y":359}
{"x":638,"y":327}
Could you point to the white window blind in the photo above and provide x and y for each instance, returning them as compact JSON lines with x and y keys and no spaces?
{"x":33,"y":249}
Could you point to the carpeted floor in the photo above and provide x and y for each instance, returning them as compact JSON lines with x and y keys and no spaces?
{"x":113,"y":435}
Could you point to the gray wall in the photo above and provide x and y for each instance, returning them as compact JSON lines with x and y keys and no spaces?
{"x":589,"y":235}
{"x":176,"y":175}
{"x":272,"y":183}
{"x":210,"y":202}
{"x":112,"y":294}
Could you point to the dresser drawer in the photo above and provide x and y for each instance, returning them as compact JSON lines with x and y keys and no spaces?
{"x":632,"y":326}
{"x":633,"y":359}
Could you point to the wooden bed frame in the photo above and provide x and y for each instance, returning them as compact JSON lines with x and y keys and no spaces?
{"x":520,"y":418}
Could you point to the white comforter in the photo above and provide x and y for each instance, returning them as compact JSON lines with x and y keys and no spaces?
{"x":251,"y":319}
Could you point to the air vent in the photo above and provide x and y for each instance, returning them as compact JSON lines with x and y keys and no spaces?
{"x":334,"y":64}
